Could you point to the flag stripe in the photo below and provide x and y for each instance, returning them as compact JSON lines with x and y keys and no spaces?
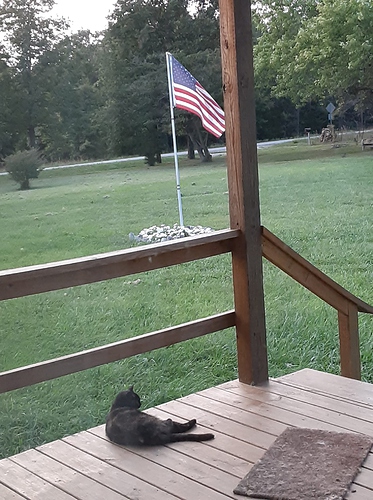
{"x":186,"y":100}
{"x":188,"y":94}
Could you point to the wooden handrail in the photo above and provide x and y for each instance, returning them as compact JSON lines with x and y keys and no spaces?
{"x":57,"y":275}
{"x":347,"y":304}
{"x":302,"y":271}
{"x":65,"y":365}
{"x":54,"y":276}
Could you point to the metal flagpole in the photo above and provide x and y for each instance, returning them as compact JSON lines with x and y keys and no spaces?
{"x":170,"y":91}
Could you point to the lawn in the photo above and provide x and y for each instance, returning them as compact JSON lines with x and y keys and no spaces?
{"x":317,"y":199}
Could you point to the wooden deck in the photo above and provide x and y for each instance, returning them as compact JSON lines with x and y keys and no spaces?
{"x":246,"y":420}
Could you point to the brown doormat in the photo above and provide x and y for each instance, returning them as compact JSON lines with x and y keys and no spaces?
{"x":307,"y":464}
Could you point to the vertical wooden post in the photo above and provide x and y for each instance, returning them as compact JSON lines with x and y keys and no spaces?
{"x":349,"y":343}
{"x":239,"y":106}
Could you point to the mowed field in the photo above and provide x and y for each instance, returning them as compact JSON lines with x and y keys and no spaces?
{"x":318,"y":199}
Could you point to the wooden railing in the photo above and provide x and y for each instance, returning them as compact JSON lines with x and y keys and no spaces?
{"x":54,"y":276}
{"x":347,"y":305}
{"x":57,"y":275}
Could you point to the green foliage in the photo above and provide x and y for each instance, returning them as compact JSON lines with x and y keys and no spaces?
{"x":83,"y":96}
{"x":69,"y":120}
{"x":10,"y":108}
{"x":28,"y":33}
{"x":339,"y":41}
{"x":133,"y":73}
{"x":23,"y":166}
{"x":317,"y":49}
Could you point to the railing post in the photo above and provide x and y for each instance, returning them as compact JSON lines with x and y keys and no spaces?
{"x":239,"y":104}
{"x":349,"y":343}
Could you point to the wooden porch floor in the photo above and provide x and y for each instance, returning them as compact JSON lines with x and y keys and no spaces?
{"x":246,"y":420}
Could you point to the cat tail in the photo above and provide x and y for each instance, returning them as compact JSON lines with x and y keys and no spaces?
{"x":191,"y":437}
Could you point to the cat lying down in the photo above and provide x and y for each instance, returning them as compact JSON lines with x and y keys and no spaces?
{"x":127,"y":425}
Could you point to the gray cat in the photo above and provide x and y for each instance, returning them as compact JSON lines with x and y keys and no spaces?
{"x":127,"y":425}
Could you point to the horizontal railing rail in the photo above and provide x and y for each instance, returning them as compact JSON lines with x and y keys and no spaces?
{"x":30,"y":280}
{"x":15,"y":283}
{"x":347,"y":305}
{"x":65,"y":365}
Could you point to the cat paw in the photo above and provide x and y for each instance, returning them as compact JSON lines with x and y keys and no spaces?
{"x":192,"y":423}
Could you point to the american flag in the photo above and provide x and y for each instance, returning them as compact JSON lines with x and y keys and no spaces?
{"x":188,"y":94}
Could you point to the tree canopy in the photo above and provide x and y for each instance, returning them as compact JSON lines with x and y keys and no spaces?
{"x":317,"y":50}
{"x":28,"y":33}
{"x":83,"y":95}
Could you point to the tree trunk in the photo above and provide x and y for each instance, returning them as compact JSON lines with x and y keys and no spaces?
{"x":150,"y":159}
{"x":31,"y":136}
{"x":191,"y":151}
{"x":199,"y":140}
{"x":25,"y":184}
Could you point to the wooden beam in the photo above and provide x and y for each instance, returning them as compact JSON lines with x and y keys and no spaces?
{"x":349,"y":343}
{"x":302,"y":271}
{"x":65,"y":365}
{"x":239,"y":104}
{"x":57,"y":275}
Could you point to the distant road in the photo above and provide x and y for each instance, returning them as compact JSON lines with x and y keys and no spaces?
{"x":214,"y":151}
{"x":219,"y":150}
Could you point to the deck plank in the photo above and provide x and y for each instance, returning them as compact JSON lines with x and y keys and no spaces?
{"x":359,"y":493}
{"x":365,"y":478}
{"x":225,"y":452}
{"x":101,"y":471}
{"x":272,"y":417}
{"x":253,"y":397}
{"x":277,"y":390}
{"x":246,"y":420}
{"x":68,"y":480}
{"x":236,"y":447}
{"x":351,"y":390}
{"x":312,"y":414}
{"x":219,"y":422}
{"x":189,"y":463}
{"x":256,"y":419}
{"x":147,"y":470}
{"x":7,"y":494}
{"x":27,"y":484}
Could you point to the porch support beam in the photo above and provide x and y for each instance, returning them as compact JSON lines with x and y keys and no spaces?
{"x":239,"y":104}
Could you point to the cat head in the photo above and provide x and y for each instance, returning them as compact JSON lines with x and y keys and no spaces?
{"x":127,"y":399}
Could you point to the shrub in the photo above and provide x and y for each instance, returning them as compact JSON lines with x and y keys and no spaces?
{"x":23,"y":166}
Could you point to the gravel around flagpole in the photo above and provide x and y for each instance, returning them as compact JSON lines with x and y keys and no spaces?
{"x":156,"y":234}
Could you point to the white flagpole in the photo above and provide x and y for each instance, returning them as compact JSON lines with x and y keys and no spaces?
{"x":170,"y":91}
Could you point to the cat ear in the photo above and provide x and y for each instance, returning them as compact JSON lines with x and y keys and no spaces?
{"x":131,"y":388}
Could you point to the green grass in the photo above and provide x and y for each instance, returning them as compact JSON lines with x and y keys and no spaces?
{"x":317,"y":199}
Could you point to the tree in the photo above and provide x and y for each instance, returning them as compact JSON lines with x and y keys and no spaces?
{"x":28,"y":34}
{"x":205,"y":34}
{"x":340,"y":42}
{"x":10,"y":108}
{"x":278,"y":23}
{"x":23,"y":166}
{"x":68,"y":122}
{"x":134,"y":71}
{"x":317,"y":49}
